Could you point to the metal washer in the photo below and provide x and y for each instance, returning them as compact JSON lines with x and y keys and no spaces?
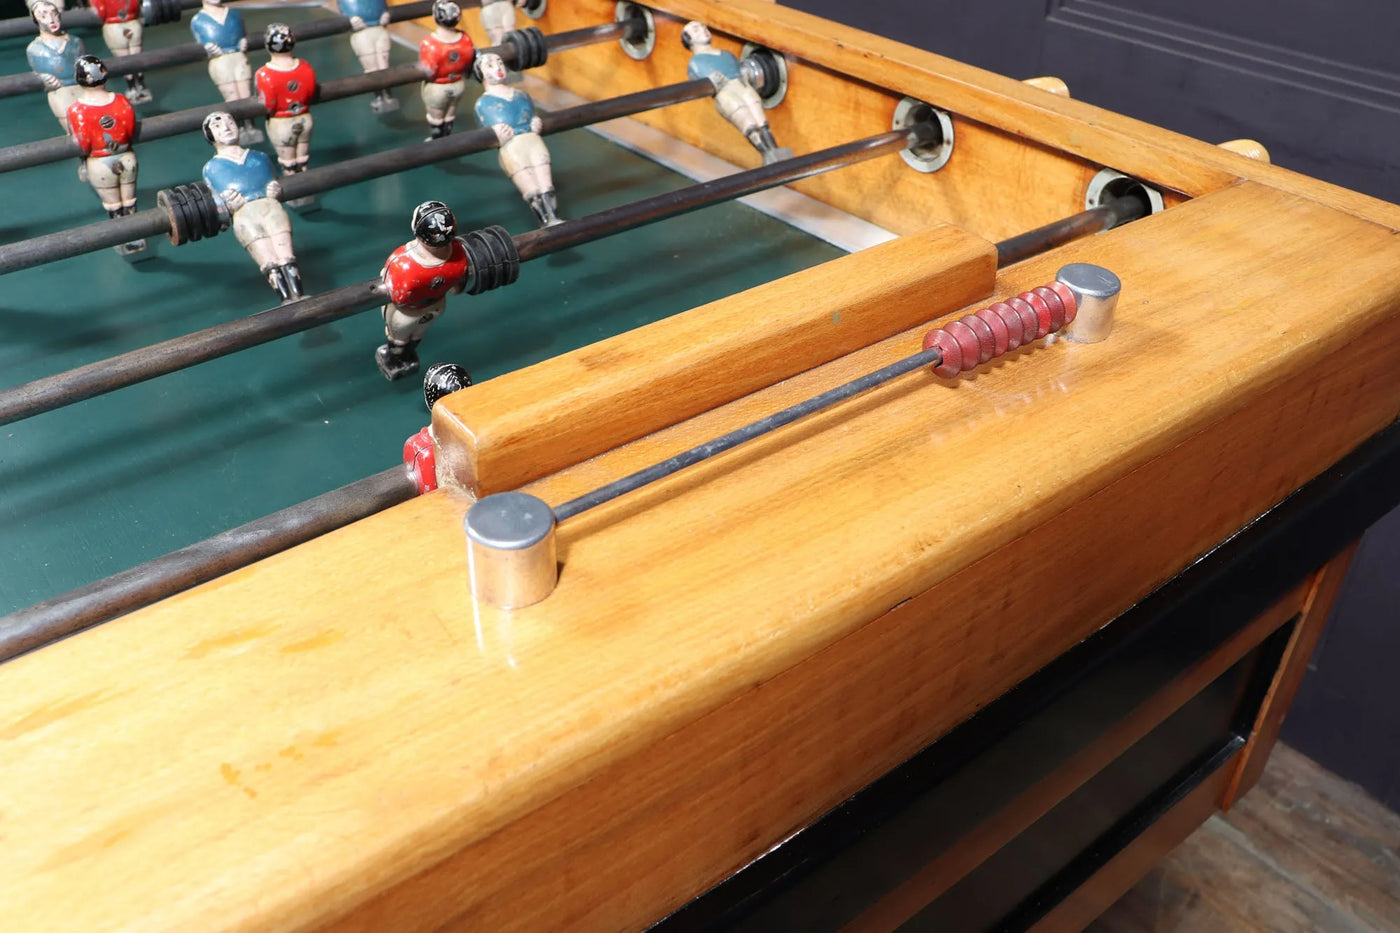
{"x":639,"y":50}
{"x":925,"y":159}
{"x":1101,"y":190}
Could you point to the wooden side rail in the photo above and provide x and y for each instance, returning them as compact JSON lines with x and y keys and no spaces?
{"x":524,"y":425}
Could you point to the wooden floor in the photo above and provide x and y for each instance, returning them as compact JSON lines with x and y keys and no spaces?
{"x":1304,"y":851}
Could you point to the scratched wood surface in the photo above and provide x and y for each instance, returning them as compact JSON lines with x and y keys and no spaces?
{"x":334,"y":737}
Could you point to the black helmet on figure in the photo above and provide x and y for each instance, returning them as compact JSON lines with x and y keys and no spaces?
{"x":280,"y":38}
{"x":446,"y":13}
{"x":89,"y":71}
{"x":434,"y":223}
{"x":443,"y":379}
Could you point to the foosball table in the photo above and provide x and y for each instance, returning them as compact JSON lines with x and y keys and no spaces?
{"x":930,"y":541}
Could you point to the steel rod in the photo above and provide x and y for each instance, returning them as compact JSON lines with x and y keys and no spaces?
{"x":693,"y":197}
{"x":65,"y":244}
{"x":58,"y":148}
{"x":71,"y":19}
{"x":592,"y":35}
{"x":168,"y":356}
{"x":748,"y":432}
{"x":1095,"y":220}
{"x":30,"y":83}
{"x":36,"y":251}
{"x":156,"y":579}
{"x":415,"y":155}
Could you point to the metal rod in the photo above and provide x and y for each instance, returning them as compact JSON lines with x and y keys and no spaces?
{"x":156,"y":579}
{"x":693,"y":197}
{"x":168,"y":356}
{"x":75,"y":241}
{"x":593,"y":35}
{"x":71,"y":19}
{"x":58,"y":148}
{"x":64,"y":244}
{"x":742,"y":435}
{"x":1095,"y":220}
{"x":30,"y":83}
{"x":416,"y":155}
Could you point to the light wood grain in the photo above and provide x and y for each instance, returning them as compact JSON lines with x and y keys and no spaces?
{"x":519,"y":427}
{"x":1028,"y":155}
{"x":1292,"y":666}
{"x":997,"y":185}
{"x":1051,"y":85}
{"x":332,"y":736}
{"x":1249,"y":148}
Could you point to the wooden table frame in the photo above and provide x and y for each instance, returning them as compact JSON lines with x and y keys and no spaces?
{"x":337,"y":738}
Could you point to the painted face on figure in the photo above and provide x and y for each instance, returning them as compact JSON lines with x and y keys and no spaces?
{"x":493,"y":69}
{"x":696,"y":34}
{"x":221,"y":129}
{"x":48,"y":18}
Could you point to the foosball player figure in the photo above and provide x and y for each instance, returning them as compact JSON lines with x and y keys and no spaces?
{"x":511,"y":114}
{"x":286,"y":85}
{"x":736,"y":101}
{"x":220,"y":30}
{"x":498,"y":18}
{"x":121,"y":29}
{"x":419,"y":275}
{"x":52,"y":57}
{"x":102,"y":124}
{"x":446,"y":55}
{"x":370,"y":42}
{"x":246,"y":186}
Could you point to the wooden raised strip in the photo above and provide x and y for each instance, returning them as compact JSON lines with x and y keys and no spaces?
{"x":524,"y":425}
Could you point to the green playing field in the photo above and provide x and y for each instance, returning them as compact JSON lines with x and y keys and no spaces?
{"x":100,"y":486}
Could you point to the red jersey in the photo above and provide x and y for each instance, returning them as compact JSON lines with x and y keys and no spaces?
{"x":117,"y":11}
{"x":286,"y":93}
{"x":447,"y":61}
{"x":413,"y":286}
{"x":105,"y":129}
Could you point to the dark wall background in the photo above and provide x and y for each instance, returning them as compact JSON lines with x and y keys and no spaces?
{"x":1319,"y":84}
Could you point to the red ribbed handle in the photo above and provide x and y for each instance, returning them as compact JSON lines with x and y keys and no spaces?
{"x":997,"y":329}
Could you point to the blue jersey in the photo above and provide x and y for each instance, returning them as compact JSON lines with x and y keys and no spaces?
{"x":44,"y":59}
{"x":249,"y":177}
{"x":517,"y":113}
{"x":228,"y":35}
{"x":704,"y":64}
{"x":367,"y":10}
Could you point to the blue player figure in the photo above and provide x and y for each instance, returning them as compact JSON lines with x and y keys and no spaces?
{"x":52,"y":56}
{"x":220,"y":30}
{"x":370,"y":42}
{"x":511,"y":114}
{"x":736,"y":101}
{"x":245,"y":183}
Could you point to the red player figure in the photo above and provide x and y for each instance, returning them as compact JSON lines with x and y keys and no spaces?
{"x":419,"y":451}
{"x":419,"y":276}
{"x":121,"y":28}
{"x":446,"y":55}
{"x":286,"y":86}
{"x":102,"y":124}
